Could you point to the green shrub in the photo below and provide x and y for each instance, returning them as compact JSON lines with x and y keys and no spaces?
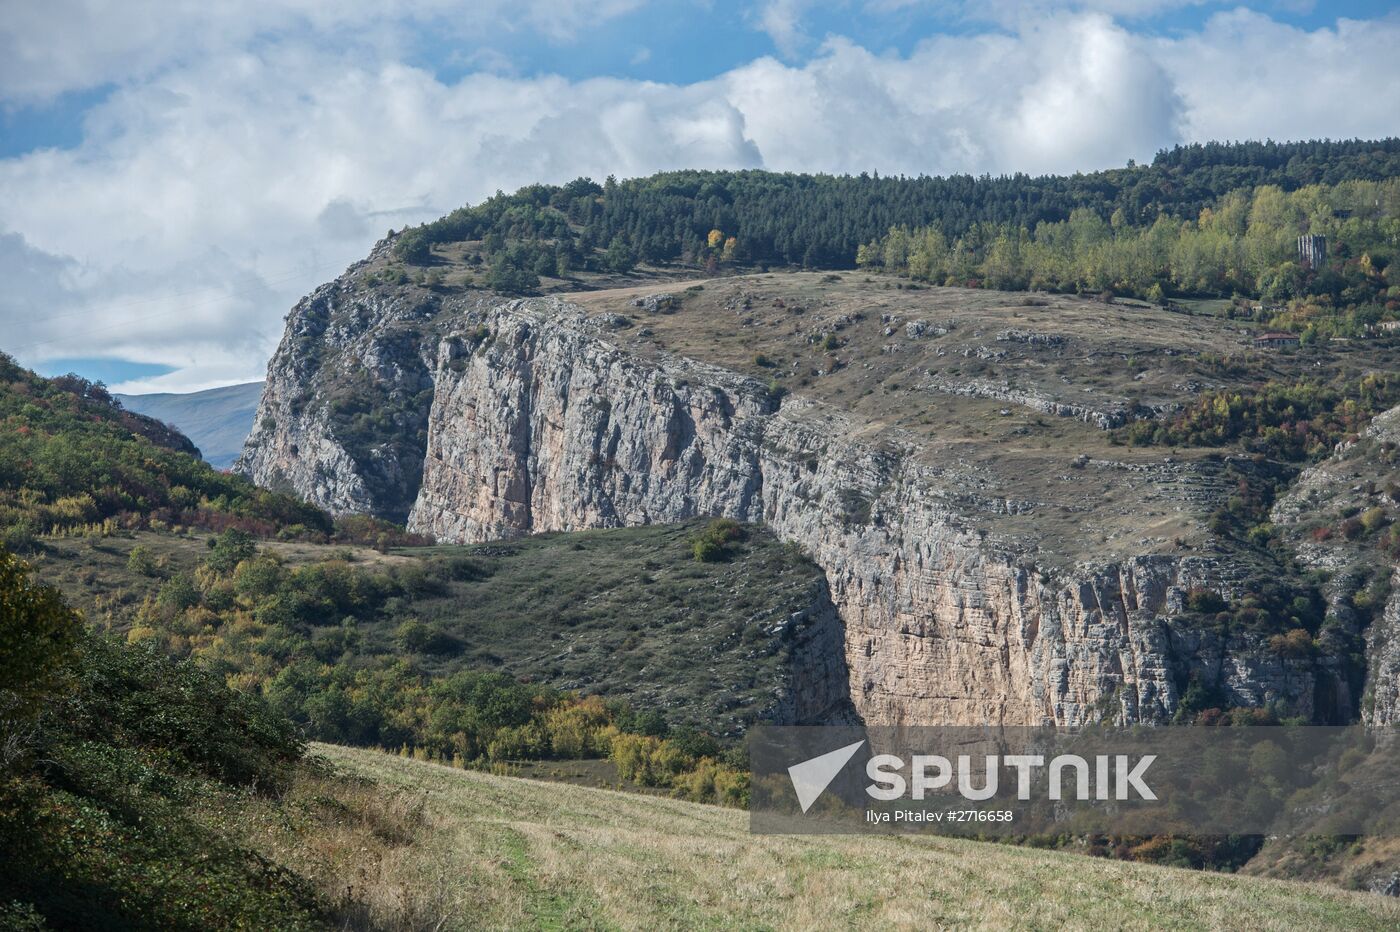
{"x":1374,"y":519}
{"x":713,"y":544}
{"x":1205,"y":601}
{"x":142,"y":561}
{"x":19,"y":538}
{"x":229,"y":549}
{"x":178,"y":593}
{"x":38,"y":640}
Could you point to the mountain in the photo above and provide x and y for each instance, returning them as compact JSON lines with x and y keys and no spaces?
{"x":216,"y":420}
{"x":1029,"y":507}
{"x":1054,"y":507}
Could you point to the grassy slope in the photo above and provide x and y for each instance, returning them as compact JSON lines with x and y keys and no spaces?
{"x":502,"y":852}
{"x":627,"y":613}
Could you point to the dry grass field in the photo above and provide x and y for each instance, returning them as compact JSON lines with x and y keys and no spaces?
{"x":490,"y":852}
{"x":1003,"y":395}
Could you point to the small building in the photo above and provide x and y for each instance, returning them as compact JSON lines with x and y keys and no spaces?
{"x":1275,"y":339}
{"x":1312,"y":249}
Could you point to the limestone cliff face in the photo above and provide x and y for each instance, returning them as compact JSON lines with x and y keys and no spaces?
{"x":540,"y":422}
{"x":342,"y":415}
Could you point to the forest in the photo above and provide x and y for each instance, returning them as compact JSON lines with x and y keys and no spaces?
{"x":1246,"y":244}
{"x":757,"y":218}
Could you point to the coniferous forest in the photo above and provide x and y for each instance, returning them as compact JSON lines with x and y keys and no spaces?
{"x":820,"y":221}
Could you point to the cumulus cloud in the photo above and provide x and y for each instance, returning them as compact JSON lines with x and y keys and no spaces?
{"x":205,"y":201}
{"x":1247,"y":76}
{"x":207,"y":197}
{"x":1011,"y":12}
{"x":782,"y":20}
{"x":1069,"y":93}
{"x":49,"y":47}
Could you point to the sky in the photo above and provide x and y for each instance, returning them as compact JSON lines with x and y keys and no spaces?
{"x":175,"y":174}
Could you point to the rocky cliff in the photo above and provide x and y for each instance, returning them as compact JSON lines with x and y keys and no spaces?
{"x":957,"y":604}
{"x":1335,"y":513}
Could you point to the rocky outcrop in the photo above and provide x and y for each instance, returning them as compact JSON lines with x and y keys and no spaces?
{"x":342,"y":417}
{"x":542,"y":419}
{"x":980,"y":388}
{"x":1381,"y":701}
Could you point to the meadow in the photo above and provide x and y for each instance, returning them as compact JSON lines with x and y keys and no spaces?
{"x":498,"y":852}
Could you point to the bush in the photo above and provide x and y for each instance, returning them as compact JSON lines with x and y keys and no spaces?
{"x":1296,"y":644}
{"x":229,"y":549}
{"x":1374,"y":519}
{"x":1205,"y":601}
{"x":38,"y":640}
{"x":417,"y":637}
{"x":19,"y":538}
{"x":142,"y":561}
{"x":712,"y":544}
{"x":178,"y":593}
{"x":101,"y":835}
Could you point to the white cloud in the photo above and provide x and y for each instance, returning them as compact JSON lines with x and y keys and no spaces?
{"x":1070,"y":93}
{"x":205,"y":199}
{"x":782,"y":20}
{"x":52,"y":46}
{"x":1013,"y":12}
{"x":204,"y":202}
{"x":1246,"y":76}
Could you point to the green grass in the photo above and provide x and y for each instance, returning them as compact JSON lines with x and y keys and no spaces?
{"x":1210,"y":307}
{"x":526,"y":854}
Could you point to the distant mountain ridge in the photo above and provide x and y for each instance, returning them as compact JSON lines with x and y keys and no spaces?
{"x":217,"y":420}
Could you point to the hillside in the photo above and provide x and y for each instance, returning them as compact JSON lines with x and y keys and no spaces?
{"x":74,"y":462}
{"x":216,"y":420}
{"x":628,"y":615}
{"x":586,"y":645}
{"x":522,"y":854}
{"x":105,"y":749}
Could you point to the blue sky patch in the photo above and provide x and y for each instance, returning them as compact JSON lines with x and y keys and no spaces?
{"x":107,"y":371}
